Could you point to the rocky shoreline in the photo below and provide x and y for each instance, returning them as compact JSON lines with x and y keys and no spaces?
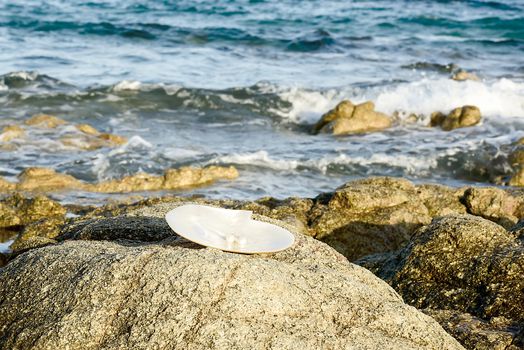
{"x":455,"y":254}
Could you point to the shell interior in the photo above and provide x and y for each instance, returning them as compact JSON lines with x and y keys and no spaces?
{"x":227,"y":229}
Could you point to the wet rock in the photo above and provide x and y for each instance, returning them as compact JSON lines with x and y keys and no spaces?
{"x":11,"y":132}
{"x":173,"y":295}
{"x":475,"y":333}
{"x":463,"y":263}
{"x":45,"y":180}
{"x":518,"y":178}
{"x":48,"y":180}
{"x":173,"y":179}
{"x":45,"y":121}
{"x":493,"y":204}
{"x":23,"y":211}
{"x":460,"y":117}
{"x":8,"y":216}
{"x":462,"y":75}
{"x":113,"y":139}
{"x":368,"y":216}
{"x":347,"y":118}
{"x":84,"y":142}
{"x":6,"y":186}
{"x":87,"y":129}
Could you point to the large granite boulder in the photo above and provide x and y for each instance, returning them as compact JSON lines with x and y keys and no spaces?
{"x":173,"y":294}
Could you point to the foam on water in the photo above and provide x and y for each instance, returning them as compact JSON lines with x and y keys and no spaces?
{"x":500,"y":98}
{"x":411,"y":164}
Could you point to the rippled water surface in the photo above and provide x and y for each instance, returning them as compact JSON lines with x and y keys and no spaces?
{"x":241,"y":82}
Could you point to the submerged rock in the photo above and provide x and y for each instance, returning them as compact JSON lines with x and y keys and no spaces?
{"x":11,"y":132}
{"x":462,"y":75}
{"x":460,"y":117}
{"x":172,"y":179}
{"x":347,"y":118}
{"x":174,"y":294}
{"x":45,"y":121}
{"x":45,"y":180}
{"x":48,"y":180}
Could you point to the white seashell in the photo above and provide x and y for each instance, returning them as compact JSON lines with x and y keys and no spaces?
{"x":229,"y":230}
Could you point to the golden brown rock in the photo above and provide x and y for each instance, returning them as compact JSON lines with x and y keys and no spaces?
{"x":11,"y":132}
{"x":113,"y":139}
{"x":347,"y":118}
{"x":87,"y":129}
{"x":45,"y":121}
{"x":460,"y":117}
{"x":172,"y":179}
{"x":462,"y":75}
{"x":6,"y":186}
{"x":48,"y":180}
{"x":518,"y":178}
{"x":45,"y":180}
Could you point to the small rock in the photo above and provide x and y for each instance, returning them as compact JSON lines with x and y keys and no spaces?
{"x":45,"y":121}
{"x":518,"y":178}
{"x":6,"y":186}
{"x":493,"y":204}
{"x":460,"y":117}
{"x":478,"y":334}
{"x":11,"y":132}
{"x":87,"y":129}
{"x":45,"y":180}
{"x":347,"y":118}
{"x":113,"y":139}
{"x":462,"y":75}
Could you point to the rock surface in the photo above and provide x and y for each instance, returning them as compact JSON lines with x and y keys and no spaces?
{"x":462,"y":75}
{"x":478,"y":334}
{"x":460,"y":117}
{"x":11,"y":132}
{"x":173,"y":294}
{"x":45,"y":121}
{"x":47,"y":180}
{"x":462,"y":263}
{"x":347,"y":118}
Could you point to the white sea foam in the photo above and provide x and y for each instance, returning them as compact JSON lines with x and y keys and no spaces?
{"x":410,"y":164}
{"x":500,"y":98}
{"x":25,"y":75}
{"x":127,"y":85}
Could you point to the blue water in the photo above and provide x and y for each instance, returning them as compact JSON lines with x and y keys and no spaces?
{"x":240,"y":82}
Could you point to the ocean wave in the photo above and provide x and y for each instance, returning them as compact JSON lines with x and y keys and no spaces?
{"x":292,"y":105}
{"x":500,"y":98}
{"x":410,"y":164}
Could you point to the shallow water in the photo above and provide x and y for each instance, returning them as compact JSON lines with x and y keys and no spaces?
{"x":240,"y":82}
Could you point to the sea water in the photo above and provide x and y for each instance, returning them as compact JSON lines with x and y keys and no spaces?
{"x":241,"y":82}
